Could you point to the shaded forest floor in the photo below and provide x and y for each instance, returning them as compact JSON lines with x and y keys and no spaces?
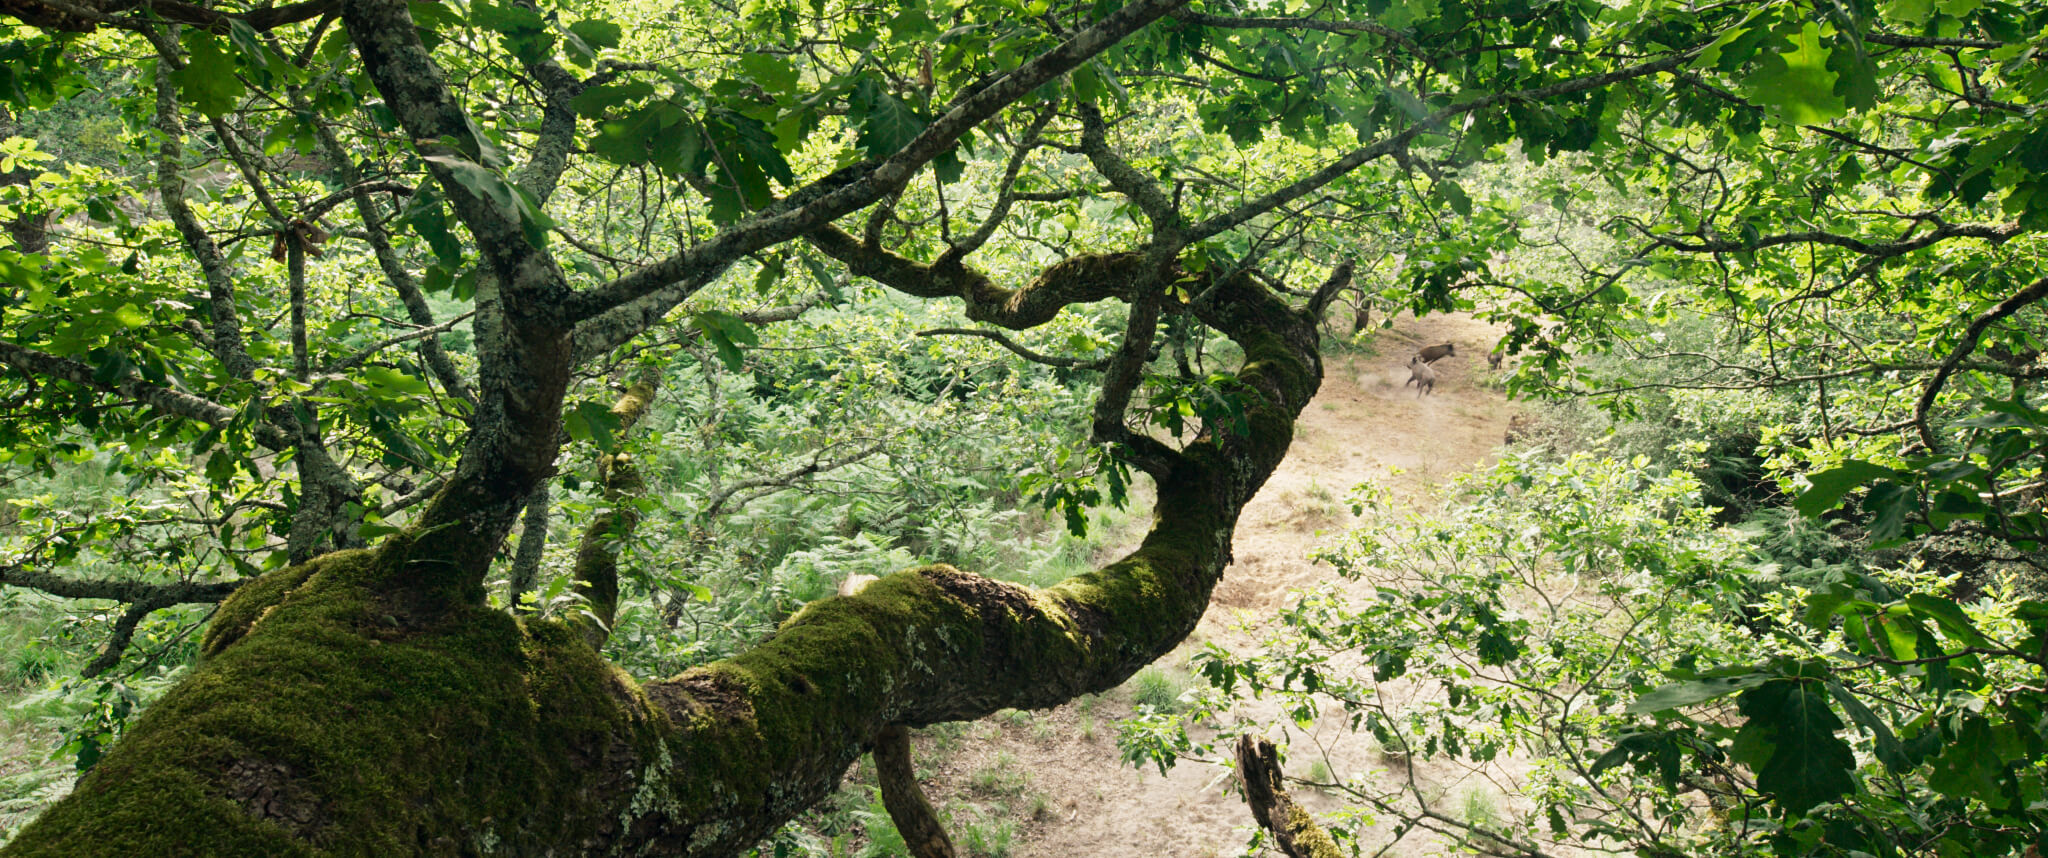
{"x":1046,"y":784}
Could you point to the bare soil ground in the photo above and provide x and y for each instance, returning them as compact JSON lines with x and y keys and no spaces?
{"x":1058,"y":772}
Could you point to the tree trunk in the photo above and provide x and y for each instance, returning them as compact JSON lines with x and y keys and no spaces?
{"x":346,"y":706}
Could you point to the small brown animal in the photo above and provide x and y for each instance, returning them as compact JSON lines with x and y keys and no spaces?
{"x":1432,"y":354}
{"x":1420,"y":375}
{"x":1493,"y":360}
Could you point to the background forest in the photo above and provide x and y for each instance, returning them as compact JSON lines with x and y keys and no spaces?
{"x":823,"y":290}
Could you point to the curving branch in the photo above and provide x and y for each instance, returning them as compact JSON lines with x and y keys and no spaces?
{"x":1018,"y":349}
{"x":355,"y":189}
{"x":904,"y":799}
{"x":1126,"y":370}
{"x":1356,"y":158}
{"x":827,"y":199}
{"x":2033,"y":293}
{"x":1139,"y":188}
{"x":749,"y":490}
{"x":556,"y":138}
{"x":1075,"y":280}
{"x":395,"y":273}
{"x":223,"y":311}
{"x":599,"y":336}
{"x":370,"y":351}
{"x":124,"y":632}
{"x":1994,"y":233}
{"x":1006,"y":195}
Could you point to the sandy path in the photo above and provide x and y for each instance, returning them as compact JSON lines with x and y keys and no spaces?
{"x":1363,"y":425}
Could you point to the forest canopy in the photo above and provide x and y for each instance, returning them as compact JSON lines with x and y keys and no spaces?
{"x":322,"y":317}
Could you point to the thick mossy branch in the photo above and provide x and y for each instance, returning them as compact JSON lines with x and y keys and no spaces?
{"x":336,"y":714}
{"x":320,"y":723}
{"x":937,"y":644}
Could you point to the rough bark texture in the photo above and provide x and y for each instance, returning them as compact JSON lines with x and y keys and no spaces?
{"x":913,"y":815}
{"x":516,"y":739}
{"x":597,"y":557}
{"x":368,"y":702}
{"x":1294,"y":831}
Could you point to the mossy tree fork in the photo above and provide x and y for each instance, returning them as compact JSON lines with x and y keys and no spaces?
{"x":367,"y":702}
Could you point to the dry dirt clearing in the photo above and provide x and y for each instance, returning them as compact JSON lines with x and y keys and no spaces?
{"x":1078,"y":798}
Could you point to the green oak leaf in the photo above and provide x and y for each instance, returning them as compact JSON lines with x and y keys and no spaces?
{"x":1830,"y":485}
{"x":1796,"y":80}
{"x":884,"y":122}
{"x":1789,"y":739}
{"x":208,"y":81}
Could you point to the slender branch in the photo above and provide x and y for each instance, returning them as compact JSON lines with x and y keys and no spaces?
{"x":321,"y":206}
{"x":1898,"y":41}
{"x":1007,"y":194}
{"x":829,"y":198}
{"x":1358,"y":157}
{"x":1126,"y":368}
{"x":369,"y":351}
{"x":395,"y":273}
{"x":1975,"y":331}
{"x":14,"y":575}
{"x":167,"y":400}
{"x":1075,"y":280}
{"x":533,"y":541}
{"x":1018,"y":349}
{"x":818,"y":465}
{"x":596,"y":338}
{"x":1994,"y":233}
{"x":410,"y":499}
{"x":228,"y":347}
{"x":124,"y":631}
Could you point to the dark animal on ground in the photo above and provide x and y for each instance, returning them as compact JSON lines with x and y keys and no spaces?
{"x":1432,"y":354}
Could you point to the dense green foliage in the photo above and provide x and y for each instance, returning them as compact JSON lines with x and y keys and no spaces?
{"x":288,"y":280}
{"x":1823,"y":702}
